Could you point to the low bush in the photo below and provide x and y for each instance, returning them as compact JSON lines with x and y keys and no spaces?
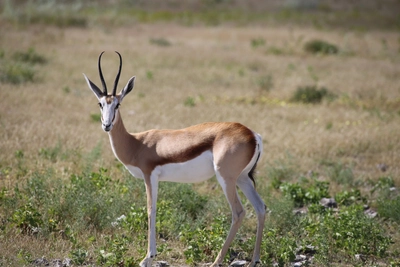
{"x":204,"y":241}
{"x":342,"y":235}
{"x":16,"y":73}
{"x":20,"y":68}
{"x":309,"y":191}
{"x":256,"y":42}
{"x":321,"y":47}
{"x":30,"y":56}
{"x":46,"y":207}
{"x":310,"y":94}
{"x":390,"y":208}
{"x":160,"y":42}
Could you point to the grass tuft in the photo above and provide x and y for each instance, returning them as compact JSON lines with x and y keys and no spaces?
{"x":160,"y":42}
{"x":30,"y":56}
{"x":16,"y":73}
{"x":310,"y":94}
{"x":320,"y":47}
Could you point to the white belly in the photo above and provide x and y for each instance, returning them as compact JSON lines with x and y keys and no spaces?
{"x":195,"y":170}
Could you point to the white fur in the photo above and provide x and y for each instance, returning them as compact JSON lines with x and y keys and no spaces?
{"x":192,"y":171}
{"x":135,"y":171}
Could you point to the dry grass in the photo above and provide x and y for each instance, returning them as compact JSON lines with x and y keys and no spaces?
{"x":219,"y":69}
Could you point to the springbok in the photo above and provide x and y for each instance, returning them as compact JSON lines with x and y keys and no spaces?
{"x":228,"y":150}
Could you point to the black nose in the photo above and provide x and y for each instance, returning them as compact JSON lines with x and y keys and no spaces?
{"x":107,"y":127}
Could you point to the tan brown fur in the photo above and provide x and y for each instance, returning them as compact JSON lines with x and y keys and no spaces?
{"x":158,"y":147}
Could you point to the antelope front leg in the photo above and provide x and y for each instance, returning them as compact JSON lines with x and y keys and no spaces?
{"x":151,"y":191}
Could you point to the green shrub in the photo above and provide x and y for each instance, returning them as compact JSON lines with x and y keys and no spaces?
{"x":309,"y":94}
{"x":319,"y":46}
{"x":204,"y":242}
{"x":346,"y":233}
{"x":280,"y":234}
{"x":64,"y":18}
{"x":189,"y":102}
{"x":350,"y":197}
{"x":16,"y":73}
{"x":275,"y":50}
{"x":257,"y":42}
{"x":30,"y":57}
{"x":27,"y":218}
{"x":20,"y":69}
{"x":383,"y":184}
{"x":114,"y":252}
{"x":265,"y":83}
{"x":95,"y":117}
{"x":390,"y":208}
{"x":160,"y":42}
{"x":91,"y":200}
{"x":340,"y":173}
{"x":280,"y":171}
{"x":79,"y":256}
{"x":305,"y":193}
{"x":149,"y":75}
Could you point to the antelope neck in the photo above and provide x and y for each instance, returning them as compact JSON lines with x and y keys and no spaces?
{"x":120,"y":139}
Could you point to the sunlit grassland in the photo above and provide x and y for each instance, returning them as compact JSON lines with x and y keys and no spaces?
{"x":52,"y":145}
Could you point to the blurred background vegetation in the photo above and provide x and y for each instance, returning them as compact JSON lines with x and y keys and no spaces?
{"x":368,"y":14}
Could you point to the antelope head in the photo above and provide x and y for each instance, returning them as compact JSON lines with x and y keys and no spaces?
{"x":109,"y":103}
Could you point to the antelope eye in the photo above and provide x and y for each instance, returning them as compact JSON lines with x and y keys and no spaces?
{"x":117,"y":106}
{"x":100,"y":106}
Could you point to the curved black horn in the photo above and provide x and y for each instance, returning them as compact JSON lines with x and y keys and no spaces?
{"x":119,"y":73}
{"x":101,"y":76}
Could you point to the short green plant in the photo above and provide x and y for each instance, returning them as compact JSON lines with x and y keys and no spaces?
{"x":265,"y":83}
{"x":160,"y":42}
{"x":79,"y":256}
{"x":281,"y":232}
{"x":66,"y":89}
{"x":114,"y":252}
{"x":51,"y":153}
{"x":185,"y":199}
{"x":343,"y":235}
{"x":273,"y":50}
{"x":305,"y":193}
{"x":384,"y":183}
{"x":95,"y":117}
{"x":149,"y":75}
{"x":135,"y":220}
{"x":321,"y":47}
{"x":256,"y":42}
{"x":350,"y":197}
{"x":281,"y":248}
{"x":27,"y":218}
{"x":390,"y":208}
{"x":309,"y":94}
{"x":30,"y":56}
{"x":25,"y":256}
{"x":280,"y":171}
{"x":340,"y":173}
{"x":16,"y":73}
{"x":204,"y":242}
{"x":189,"y":102}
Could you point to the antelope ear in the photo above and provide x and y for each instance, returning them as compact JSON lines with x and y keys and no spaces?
{"x":128,"y":87}
{"x":93,"y":87}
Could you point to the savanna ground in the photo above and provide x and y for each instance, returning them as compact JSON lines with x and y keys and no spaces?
{"x":62,"y":193}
